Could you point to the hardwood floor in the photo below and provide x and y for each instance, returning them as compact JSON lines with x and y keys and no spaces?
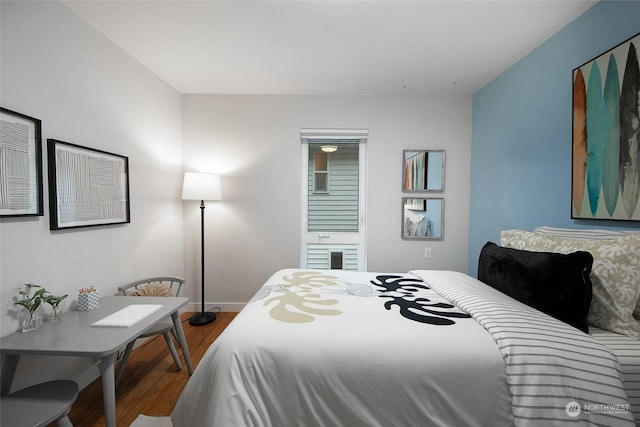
{"x":150,"y":385}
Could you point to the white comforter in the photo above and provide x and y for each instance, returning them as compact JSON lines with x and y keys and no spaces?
{"x":321,"y":349}
{"x":557,"y":374}
{"x":336,"y":348}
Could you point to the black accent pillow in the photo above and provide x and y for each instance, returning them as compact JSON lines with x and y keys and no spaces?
{"x":556,"y":284}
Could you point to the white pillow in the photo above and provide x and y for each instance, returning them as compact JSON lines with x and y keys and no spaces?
{"x":156,"y":289}
{"x":582,"y":233}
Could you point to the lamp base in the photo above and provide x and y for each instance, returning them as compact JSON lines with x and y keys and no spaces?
{"x":204,"y":318}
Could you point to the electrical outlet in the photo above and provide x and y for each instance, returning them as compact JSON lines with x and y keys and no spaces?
{"x":427,"y":253}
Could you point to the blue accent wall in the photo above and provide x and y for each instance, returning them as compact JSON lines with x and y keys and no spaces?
{"x":521,"y":131}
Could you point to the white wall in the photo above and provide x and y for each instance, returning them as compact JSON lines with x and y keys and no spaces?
{"x":87,"y":91}
{"x":254,"y":142}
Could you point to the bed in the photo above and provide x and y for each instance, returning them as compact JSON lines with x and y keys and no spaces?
{"x":426,"y":347}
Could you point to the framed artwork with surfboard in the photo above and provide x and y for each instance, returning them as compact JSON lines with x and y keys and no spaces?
{"x":605,"y":182}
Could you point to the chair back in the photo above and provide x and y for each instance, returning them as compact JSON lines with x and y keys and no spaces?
{"x":150,"y":286}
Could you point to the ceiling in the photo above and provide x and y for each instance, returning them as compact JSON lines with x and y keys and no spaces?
{"x":328,"y":47}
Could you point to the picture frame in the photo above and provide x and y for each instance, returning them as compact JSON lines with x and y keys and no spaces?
{"x":605,"y":175}
{"x":423,"y":171}
{"x":422,"y":218}
{"x":87,"y":187}
{"x":21,"y":193}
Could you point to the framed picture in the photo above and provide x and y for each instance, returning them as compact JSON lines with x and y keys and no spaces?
{"x":21,"y":165}
{"x":605,"y":182}
{"x":87,"y":187}
{"x":422,"y":218}
{"x":422,"y":171}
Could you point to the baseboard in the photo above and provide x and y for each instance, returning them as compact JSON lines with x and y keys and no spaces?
{"x":233,"y":307}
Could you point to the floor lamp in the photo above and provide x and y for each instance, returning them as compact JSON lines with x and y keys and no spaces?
{"x":201,"y":186}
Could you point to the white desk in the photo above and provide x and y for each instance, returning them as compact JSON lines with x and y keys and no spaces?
{"x":73,"y":335}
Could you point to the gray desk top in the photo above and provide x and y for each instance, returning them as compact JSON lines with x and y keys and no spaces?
{"x":73,"y":335}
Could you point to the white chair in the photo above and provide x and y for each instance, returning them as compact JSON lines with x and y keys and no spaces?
{"x":154,"y":286}
{"x":39,"y":405}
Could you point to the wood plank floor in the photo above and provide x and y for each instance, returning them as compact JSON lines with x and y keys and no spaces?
{"x":150,"y":385}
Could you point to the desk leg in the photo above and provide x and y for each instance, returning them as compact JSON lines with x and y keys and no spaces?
{"x":177,"y":324}
{"x":8,"y":371}
{"x":109,"y":388}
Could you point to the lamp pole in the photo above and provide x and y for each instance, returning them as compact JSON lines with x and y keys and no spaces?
{"x":204,"y":317}
{"x":201,"y":186}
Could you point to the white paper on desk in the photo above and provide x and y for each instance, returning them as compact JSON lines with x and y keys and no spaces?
{"x":127,"y":316}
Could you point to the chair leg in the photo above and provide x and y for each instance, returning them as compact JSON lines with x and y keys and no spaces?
{"x":172,"y":349}
{"x":123,"y":362}
{"x":64,"y":422}
{"x":173,"y":334}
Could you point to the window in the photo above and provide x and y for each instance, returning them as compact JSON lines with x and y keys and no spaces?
{"x":333,"y":205}
{"x":321,"y":173}
{"x":334,"y":184}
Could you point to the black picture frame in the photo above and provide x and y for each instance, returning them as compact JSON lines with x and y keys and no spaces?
{"x":87,"y":187}
{"x":21,"y":157}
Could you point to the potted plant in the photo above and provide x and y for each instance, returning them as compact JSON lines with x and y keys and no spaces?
{"x":54,"y":302}
{"x":31,"y":302}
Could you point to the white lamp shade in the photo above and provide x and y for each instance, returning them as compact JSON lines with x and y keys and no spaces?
{"x":201,"y":186}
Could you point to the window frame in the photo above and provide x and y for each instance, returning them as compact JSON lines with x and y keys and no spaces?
{"x":357,"y":240}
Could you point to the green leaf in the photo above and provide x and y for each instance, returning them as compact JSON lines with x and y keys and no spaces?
{"x":24,"y":303}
